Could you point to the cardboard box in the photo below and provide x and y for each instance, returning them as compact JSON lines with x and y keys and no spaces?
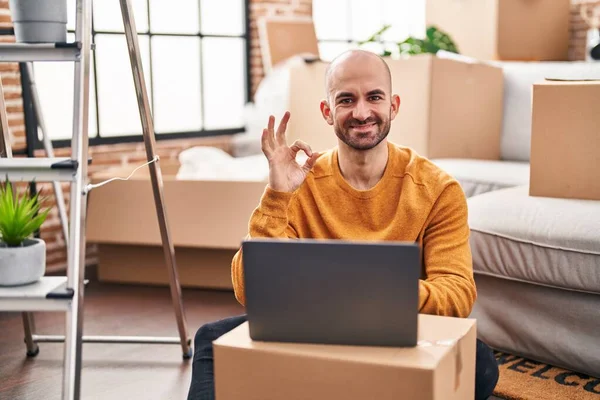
{"x":282,"y":37}
{"x":197,"y":267}
{"x":449,"y":108}
{"x":517,"y":30}
{"x":207,"y":221}
{"x":565,"y":140}
{"x":442,"y":366}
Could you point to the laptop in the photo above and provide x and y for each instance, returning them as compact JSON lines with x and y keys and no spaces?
{"x":332,"y":291}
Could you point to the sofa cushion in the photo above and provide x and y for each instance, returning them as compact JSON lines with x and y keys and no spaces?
{"x":539,"y":240}
{"x":480,"y":176}
{"x":519,"y":78}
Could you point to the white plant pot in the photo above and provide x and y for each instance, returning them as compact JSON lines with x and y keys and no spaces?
{"x":22,"y":265}
{"x":39,"y":21}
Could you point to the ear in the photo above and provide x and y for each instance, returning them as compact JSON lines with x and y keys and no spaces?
{"x":395,"y":105}
{"x":326,"y":112}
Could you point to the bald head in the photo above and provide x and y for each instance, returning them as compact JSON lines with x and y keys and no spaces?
{"x":355,"y":62}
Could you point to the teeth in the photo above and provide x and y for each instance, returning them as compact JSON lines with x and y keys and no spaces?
{"x":362,"y":126}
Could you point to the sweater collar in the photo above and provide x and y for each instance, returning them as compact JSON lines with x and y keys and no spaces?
{"x":363,"y":194}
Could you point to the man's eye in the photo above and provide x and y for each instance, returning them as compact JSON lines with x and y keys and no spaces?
{"x":375,"y":98}
{"x":345,"y":101}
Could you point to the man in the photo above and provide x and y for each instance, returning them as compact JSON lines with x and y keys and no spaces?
{"x":366,"y":188}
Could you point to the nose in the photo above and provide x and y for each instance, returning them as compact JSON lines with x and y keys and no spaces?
{"x":361,"y":111}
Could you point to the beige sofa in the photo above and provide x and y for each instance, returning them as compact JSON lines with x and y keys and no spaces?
{"x":536,"y":260}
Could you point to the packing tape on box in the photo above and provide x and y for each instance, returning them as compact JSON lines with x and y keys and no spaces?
{"x":456,"y":345}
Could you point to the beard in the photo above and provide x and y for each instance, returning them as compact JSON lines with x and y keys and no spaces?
{"x":363,"y":140}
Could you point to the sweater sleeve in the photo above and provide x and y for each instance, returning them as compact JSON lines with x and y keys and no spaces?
{"x":449,"y":287}
{"x":268,"y":220}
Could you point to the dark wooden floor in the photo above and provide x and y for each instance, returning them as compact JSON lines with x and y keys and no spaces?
{"x":111,"y":371}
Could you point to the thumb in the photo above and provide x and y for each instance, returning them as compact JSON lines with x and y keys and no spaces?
{"x":310,"y":162}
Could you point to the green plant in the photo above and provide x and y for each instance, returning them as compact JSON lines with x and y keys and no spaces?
{"x":434,"y":41}
{"x":20,"y":215}
{"x":376,"y":38}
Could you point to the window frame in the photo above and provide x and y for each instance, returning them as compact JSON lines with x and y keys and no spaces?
{"x":348,"y":34}
{"x":138,"y":138}
{"x":348,"y":40}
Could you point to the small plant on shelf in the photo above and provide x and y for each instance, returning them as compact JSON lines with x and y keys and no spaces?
{"x":22,"y":257}
{"x":20,"y":215}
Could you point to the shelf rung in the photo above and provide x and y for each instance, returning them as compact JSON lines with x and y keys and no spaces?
{"x":111,"y":339}
{"x":37,"y":296}
{"x":25,"y":52}
{"x":38,"y":169}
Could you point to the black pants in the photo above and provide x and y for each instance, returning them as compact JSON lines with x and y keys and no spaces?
{"x":202,"y":385}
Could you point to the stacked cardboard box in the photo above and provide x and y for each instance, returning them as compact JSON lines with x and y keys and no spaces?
{"x":523,"y":30}
{"x":565,"y":136}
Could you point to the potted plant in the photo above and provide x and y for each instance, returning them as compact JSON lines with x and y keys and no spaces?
{"x":22,"y":257}
{"x":37,"y":21}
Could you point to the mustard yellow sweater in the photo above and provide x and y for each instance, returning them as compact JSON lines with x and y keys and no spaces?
{"x":414,"y":201}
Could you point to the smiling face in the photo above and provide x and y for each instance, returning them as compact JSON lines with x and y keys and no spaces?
{"x":359,"y":104}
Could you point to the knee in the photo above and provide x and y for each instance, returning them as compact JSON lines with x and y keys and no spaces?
{"x":204,"y":335}
{"x":203,"y":339}
{"x":211,"y":331}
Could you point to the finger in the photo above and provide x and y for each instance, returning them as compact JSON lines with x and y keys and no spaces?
{"x":271,"y":126}
{"x":271,"y":134}
{"x":300,"y":145}
{"x":310,"y":162}
{"x":280,"y":135}
{"x":266,"y":144}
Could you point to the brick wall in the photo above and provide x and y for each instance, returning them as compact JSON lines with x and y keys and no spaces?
{"x":125,"y":154}
{"x":579,"y":28}
{"x":11,"y":82}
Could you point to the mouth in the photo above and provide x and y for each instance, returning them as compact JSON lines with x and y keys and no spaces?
{"x":363,"y":127}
